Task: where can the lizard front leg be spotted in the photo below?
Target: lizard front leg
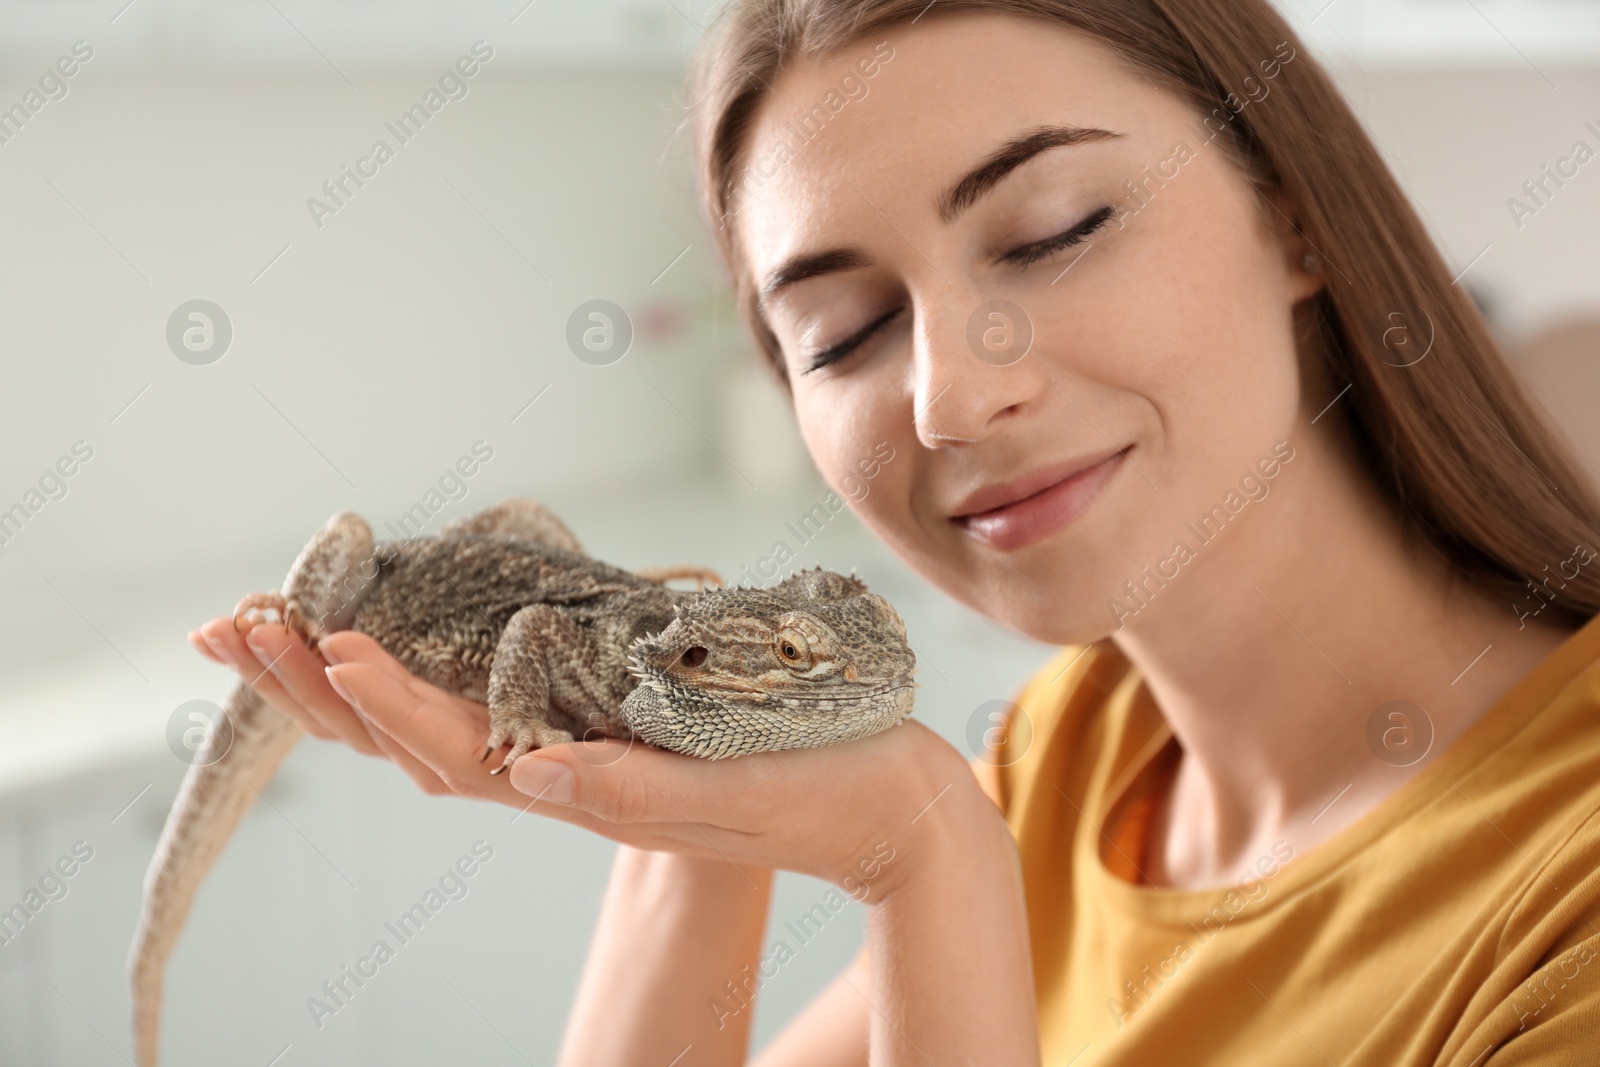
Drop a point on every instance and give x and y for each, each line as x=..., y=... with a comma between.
x=544, y=680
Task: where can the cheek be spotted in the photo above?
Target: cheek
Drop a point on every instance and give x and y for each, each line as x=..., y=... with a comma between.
x=1194, y=324
x=838, y=424
x=849, y=425
x=1239, y=381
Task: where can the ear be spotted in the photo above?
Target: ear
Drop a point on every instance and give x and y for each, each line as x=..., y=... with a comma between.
x=1303, y=265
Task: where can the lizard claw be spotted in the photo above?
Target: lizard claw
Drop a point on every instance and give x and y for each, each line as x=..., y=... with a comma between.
x=296, y=622
x=525, y=734
x=255, y=606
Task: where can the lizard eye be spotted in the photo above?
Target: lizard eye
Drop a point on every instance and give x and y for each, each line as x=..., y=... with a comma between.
x=792, y=648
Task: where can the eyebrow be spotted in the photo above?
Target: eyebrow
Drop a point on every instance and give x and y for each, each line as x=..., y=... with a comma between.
x=810, y=265
x=965, y=192
x=1007, y=158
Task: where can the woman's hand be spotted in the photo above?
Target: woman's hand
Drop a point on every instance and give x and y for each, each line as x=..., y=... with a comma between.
x=852, y=814
x=291, y=677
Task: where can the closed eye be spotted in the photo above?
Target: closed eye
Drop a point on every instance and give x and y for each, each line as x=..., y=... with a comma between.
x=849, y=344
x=1021, y=257
x=1033, y=253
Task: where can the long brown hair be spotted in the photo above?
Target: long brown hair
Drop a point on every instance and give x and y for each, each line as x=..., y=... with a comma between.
x=1452, y=438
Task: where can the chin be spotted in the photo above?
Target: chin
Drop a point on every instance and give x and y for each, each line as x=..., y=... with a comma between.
x=1054, y=625
x=1058, y=605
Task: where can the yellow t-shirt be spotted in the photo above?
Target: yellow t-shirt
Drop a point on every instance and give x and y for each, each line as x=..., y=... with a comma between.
x=1457, y=924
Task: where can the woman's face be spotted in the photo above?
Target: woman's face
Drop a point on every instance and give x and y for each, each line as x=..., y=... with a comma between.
x=896, y=191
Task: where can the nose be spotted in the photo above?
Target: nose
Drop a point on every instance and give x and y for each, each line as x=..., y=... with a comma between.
x=976, y=364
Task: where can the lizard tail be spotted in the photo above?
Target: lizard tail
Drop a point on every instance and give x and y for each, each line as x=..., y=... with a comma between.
x=210, y=804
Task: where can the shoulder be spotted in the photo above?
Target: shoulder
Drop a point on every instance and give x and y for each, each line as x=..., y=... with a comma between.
x=1553, y=948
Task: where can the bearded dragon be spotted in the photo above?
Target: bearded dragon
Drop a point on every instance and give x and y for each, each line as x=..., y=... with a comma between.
x=505, y=608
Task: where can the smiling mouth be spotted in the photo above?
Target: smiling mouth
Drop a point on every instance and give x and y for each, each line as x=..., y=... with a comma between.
x=1028, y=510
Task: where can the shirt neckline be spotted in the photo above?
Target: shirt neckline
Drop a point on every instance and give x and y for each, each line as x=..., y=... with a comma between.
x=1516, y=709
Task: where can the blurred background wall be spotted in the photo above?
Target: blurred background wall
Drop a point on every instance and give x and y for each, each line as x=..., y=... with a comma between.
x=374, y=345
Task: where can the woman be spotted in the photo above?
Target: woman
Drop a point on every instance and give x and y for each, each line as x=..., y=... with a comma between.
x=1174, y=379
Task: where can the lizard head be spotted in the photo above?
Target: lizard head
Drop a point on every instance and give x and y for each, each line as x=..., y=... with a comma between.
x=813, y=660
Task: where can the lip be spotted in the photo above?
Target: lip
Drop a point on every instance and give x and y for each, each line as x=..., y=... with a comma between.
x=1028, y=509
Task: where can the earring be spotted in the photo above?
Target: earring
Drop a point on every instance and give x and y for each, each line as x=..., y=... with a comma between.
x=1311, y=263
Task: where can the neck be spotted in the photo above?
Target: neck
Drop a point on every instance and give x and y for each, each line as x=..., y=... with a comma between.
x=1283, y=639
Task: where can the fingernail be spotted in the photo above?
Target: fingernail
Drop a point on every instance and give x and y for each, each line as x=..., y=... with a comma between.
x=333, y=680
x=327, y=653
x=255, y=646
x=543, y=779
